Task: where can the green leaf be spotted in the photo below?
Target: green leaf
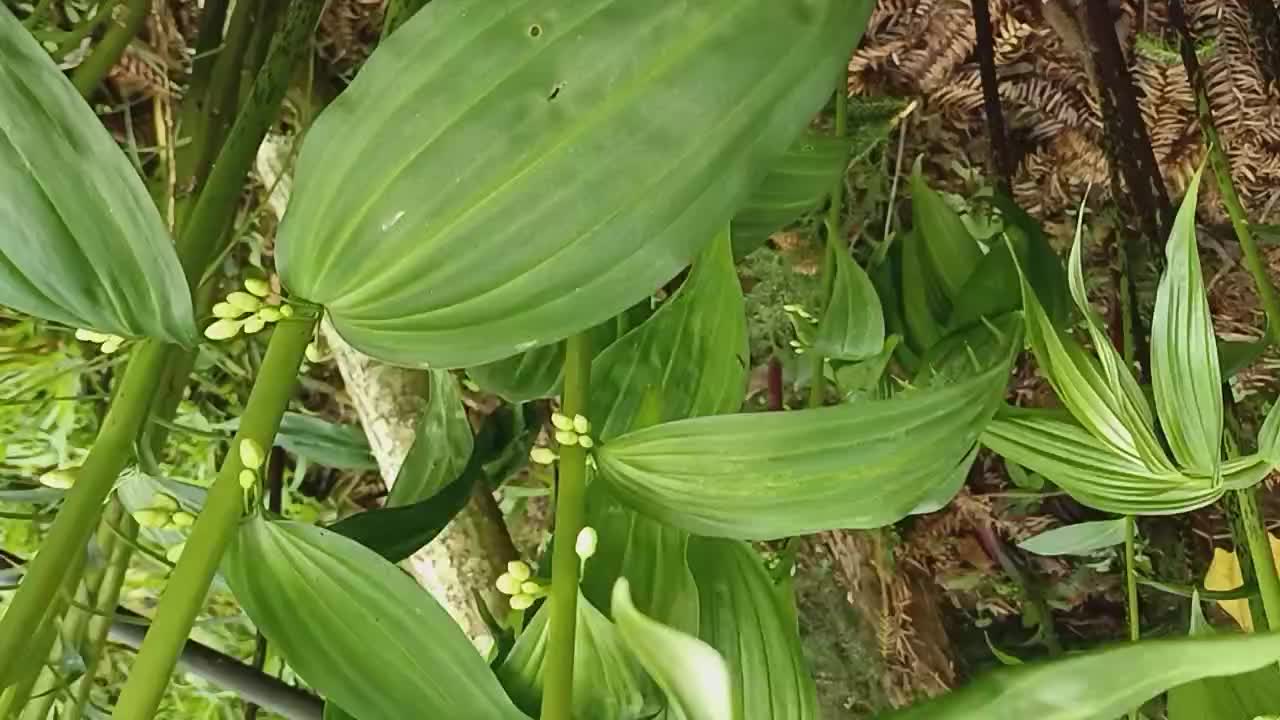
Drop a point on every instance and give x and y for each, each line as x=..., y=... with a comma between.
x=797, y=183
x=949, y=251
x=693, y=350
x=1099, y=684
x=693, y=676
x=852, y=327
x=925, y=306
x=320, y=441
x=520, y=242
x=608, y=682
x=356, y=628
x=1079, y=539
x=81, y=242
x=1269, y=436
x=746, y=619
x=1232, y=697
x=333, y=712
x=1184, y=355
x=536, y=373
x=1055, y=446
x=770, y=475
x=651, y=555
x=442, y=443
x=1036, y=257
x=1236, y=355
x=860, y=377
x=397, y=532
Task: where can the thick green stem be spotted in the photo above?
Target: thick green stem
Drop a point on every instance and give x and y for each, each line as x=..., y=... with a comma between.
x=79, y=514
x=571, y=510
x=123, y=30
x=43, y=636
x=105, y=605
x=1260, y=550
x=185, y=593
x=198, y=243
x=835, y=241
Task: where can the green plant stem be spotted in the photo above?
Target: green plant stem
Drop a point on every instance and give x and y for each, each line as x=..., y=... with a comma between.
x=835, y=241
x=76, y=520
x=1260, y=550
x=109, y=50
x=37, y=13
x=1131, y=586
x=571, y=495
x=70, y=40
x=185, y=593
x=104, y=605
x=43, y=636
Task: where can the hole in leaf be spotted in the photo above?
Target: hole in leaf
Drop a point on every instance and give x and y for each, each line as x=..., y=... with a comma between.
x=555, y=92
x=535, y=30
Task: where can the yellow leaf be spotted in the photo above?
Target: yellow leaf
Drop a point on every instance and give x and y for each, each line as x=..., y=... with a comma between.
x=1224, y=574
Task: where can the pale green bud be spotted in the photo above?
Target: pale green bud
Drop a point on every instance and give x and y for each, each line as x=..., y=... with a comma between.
x=251, y=454
x=164, y=501
x=286, y=311
x=313, y=353
x=257, y=286
x=521, y=602
x=566, y=437
x=151, y=518
x=508, y=585
x=244, y=301
x=253, y=324
x=519, y=570
x=111, y=344
x=227, y=311
x=270, y=314
x=90, y=336
x=581, y=424
x=530, y=588
x=586, y=441
x=175, y=553
x=60, y=479
x=587, y=541
x=223, y=329
x=542, y=456
x=561, y=422
x=248, y=479
x=183, y=519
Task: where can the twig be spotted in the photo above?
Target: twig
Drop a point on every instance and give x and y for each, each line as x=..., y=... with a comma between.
x=1000, y=149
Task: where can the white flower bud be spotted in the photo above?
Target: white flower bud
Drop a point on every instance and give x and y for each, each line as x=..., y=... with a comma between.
x=567, y=437
x=257, y=286
x=519, y=570
x=521, y=602
x=248, y=479
x=286, y=311
x=111, y=344
x=254, y=324
x=251, y=454
x=581, y=424
x=227, y=311
x=530, y=587
x=89, y=336
x=508, y=585
x=542, y=456
x=223, y=329
x=313, y=353
x=587, y=541
x=175, y=553
x=270, y=314
x=244, y=301
x=586, y=441
x=561, y=422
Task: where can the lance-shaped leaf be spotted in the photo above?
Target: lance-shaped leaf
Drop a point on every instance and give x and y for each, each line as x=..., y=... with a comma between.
x=81, y=241
x=1055, y=446
x=797, y=183
x=852, y=326
x=1247, y=696
x=769, y=475
x=693, y=676
x=356, y=628
x=693, y=352
x=442, y=443
x=950, y=252
x=1078, y=539
x=1184, y=352
x=449, y=233
x=746, y=618
x=608, y=683
x=1098, y=684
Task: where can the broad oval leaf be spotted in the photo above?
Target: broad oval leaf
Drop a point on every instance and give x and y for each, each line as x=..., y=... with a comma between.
x=691, y=673
x=608, y=683
x=852, y=326
x=1078, y=539
x=81, y=241
x=770, y=475
x=745, y=617
x=356, y=628
x=612, y=178
x=1185, y=376
x=1099, y=684
x=442, y=443
x=692, y=351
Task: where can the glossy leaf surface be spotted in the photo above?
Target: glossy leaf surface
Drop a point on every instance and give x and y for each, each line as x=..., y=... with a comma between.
x=521, y=241
x=1078, y=539
x=690, y=673
x=1186, y=379
x=745, y=617
x=769, y=475
x=442, y=443
x=852, y=326
x=81, y=242
x=1099, y=684
x=608, y=683
x=357, y=628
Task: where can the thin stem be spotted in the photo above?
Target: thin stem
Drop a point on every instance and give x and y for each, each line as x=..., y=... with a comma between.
x=557, y=691
x=184, y=595
x=43, y=635
x=1222, y=171
x=77, y=518
x=1131, y=579
x=38, y=12
x=1260, y=550
x=70, y=39
x=111, y=48
x=835, y=240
